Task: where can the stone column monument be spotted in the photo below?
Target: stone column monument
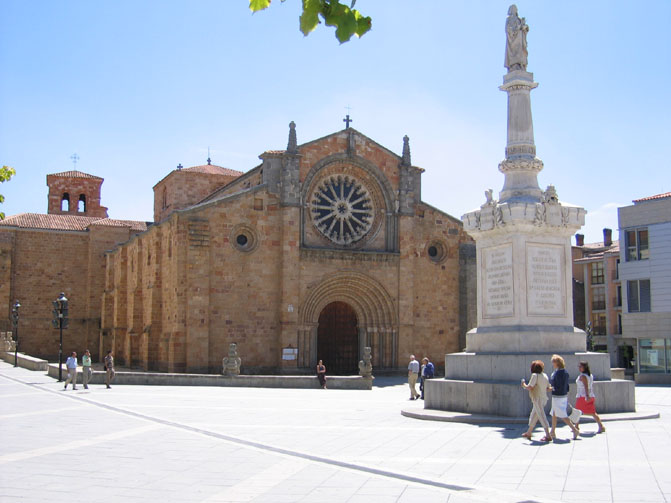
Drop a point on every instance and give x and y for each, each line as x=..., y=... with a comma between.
x=524, y=280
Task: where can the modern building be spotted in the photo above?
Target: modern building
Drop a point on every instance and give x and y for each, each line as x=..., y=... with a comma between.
x=598, y=297
x=645, y=273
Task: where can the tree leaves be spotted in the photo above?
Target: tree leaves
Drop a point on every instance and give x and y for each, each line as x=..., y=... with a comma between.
x=5, y=174
x=256, y=5
x=347, y=20
x=310, y=17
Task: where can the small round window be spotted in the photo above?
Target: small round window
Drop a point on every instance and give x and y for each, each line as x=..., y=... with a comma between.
x=244, y=238
x=436, y=251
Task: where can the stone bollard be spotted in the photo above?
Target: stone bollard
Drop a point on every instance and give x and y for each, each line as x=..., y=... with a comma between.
x=365, y=365
x=231, y=363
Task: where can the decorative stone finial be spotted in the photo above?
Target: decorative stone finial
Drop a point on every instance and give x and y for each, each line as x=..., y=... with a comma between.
x=292, y=146
x=405, y=157
x=365, y=365
x=231, y=363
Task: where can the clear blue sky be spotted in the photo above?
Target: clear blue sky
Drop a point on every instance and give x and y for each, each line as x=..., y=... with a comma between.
x=136, y=87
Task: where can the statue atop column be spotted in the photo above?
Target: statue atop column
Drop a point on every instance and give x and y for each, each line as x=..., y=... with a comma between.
x=516, y=41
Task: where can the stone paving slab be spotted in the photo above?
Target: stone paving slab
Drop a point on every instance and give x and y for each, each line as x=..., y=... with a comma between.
x=143, y=443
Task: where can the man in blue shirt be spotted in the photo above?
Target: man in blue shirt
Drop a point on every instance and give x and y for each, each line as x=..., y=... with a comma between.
x=71, y=364
x=427, y=373
x=413, y=372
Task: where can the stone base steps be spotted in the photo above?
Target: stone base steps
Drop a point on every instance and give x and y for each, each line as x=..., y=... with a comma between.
x=242, y=381
x=461, y=417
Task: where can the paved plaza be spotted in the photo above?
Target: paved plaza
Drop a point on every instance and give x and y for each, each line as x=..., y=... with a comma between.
x=161, y=443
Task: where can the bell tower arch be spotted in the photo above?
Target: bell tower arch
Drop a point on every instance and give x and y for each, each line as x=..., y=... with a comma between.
x=75, y=193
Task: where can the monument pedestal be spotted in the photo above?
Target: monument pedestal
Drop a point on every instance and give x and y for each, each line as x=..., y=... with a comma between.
x=524, y=268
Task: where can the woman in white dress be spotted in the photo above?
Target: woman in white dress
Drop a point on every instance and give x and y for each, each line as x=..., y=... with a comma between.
x=585, y=398
x=538, y=388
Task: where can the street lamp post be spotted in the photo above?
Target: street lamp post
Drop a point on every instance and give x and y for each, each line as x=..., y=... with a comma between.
x=60, y=321
x=15, y=323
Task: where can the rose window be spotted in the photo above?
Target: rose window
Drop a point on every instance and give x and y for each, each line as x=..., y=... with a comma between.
x=342, y=209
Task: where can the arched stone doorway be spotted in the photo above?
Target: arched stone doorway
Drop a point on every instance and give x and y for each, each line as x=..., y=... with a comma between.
x=373, y=309
x=338, y=338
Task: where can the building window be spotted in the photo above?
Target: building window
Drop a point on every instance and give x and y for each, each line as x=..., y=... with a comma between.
x=65, y=202
x=164, y=198
x=598, y=299
x=619, y=323
x=81, y=204
x=618, y=298
x=636, y=243
x=638, y=296
x=597, y=273
x=653, y=355
x=617, y=269
x=598, y=324
x=244, y=238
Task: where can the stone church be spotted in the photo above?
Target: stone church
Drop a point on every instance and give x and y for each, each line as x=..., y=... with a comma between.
x=321, y=250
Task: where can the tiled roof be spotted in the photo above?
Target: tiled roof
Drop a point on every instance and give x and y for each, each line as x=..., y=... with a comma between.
x=275, y=152
x=75, y=174
x=213, y=170
x=651, y=198
x=66, y=222
x=113, y=222
x=599, y=251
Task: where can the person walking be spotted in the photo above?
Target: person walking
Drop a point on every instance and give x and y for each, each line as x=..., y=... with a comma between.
x=86, y=369
x=321, y=374
x=71, y=365
x=427, y=372
x=559, y=382
x=538, y=388
x=109, y=368
x=585, y=398
x=413, y=373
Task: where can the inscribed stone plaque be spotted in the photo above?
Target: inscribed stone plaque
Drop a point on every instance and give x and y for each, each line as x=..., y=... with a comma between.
x=545, y=280
x=497, y=279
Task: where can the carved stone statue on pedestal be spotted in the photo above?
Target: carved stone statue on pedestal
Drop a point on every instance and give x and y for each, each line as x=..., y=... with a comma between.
x=365, y=365
x=231, y=363
x=516, y=41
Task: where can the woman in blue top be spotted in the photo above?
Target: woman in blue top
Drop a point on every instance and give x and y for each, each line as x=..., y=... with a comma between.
x=559, y=383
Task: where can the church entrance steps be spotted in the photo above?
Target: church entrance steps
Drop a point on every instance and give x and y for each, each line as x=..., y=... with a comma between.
x=241, y=381
x=25, y=361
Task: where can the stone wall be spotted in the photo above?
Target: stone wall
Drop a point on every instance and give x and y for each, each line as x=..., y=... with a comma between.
x=37, y=265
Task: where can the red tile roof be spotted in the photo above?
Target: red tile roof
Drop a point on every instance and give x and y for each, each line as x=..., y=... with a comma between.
x=75, y=174
x=650, y=198
x=213, y=170
x=275, y=152
x=66, y=222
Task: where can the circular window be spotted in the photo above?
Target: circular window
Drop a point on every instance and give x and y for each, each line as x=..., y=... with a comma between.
x=244, y=238
x=342, y=209
x=437, y=251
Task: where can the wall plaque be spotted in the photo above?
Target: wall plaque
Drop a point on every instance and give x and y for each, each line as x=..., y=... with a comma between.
x=545, y=280
x=497, y=281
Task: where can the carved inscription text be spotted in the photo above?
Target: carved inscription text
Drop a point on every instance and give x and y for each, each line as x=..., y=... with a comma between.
x=497, y=277
x=545, y=280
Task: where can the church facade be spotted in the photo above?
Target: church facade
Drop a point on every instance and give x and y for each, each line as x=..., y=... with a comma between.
x=321, y=250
